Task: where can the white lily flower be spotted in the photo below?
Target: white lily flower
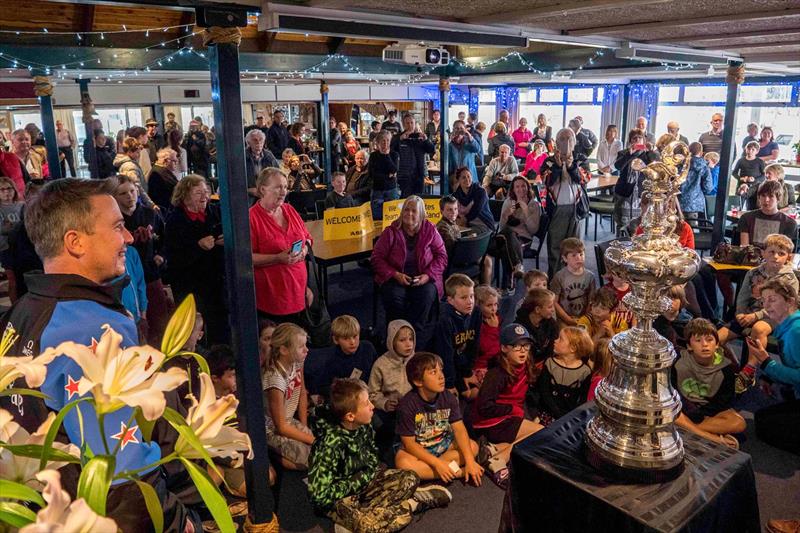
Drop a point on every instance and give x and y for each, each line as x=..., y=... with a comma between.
x=24, y=469
x=12, y=368
x=118, y=377
x=63, y=515
x=207, y=420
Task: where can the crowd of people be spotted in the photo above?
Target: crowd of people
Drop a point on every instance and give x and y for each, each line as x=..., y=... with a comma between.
x=470, y=369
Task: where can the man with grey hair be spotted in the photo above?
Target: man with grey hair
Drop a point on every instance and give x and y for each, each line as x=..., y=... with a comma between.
x=673, y=128
x=585, y=143
x=641, y=124
x=257, y=157
x=163, y=178
x=79, y=233
x=712, y=139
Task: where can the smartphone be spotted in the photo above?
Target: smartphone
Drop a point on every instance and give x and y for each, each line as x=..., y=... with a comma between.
x=640, y=147
x=297, y=247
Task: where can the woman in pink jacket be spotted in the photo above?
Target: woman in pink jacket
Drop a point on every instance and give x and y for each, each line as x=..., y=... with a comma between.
x=522, y=140
x=409, y=260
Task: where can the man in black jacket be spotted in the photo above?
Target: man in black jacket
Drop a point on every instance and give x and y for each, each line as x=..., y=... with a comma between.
x=585, y=141
x=412, y=145
x=79, y=232
x=278, y=135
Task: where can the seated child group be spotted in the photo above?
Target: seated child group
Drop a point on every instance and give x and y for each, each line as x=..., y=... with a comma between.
x=382, y=436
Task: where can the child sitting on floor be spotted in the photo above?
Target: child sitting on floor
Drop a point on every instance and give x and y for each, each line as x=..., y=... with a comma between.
x=705, y=377
x=537, y=316
x=266, y=328
x=352, y=357
x=489, y=344
x=499, y=411
x=597, y=322
x=564, y=382
x=434, y=440
x=600, y=363
x=345, y=480
x=573, y=285
x=387, y=381
x=750, y=312
x=663, y=323
x=533, y=279
x=285, y=397
x=222, y=365
x=457, y=335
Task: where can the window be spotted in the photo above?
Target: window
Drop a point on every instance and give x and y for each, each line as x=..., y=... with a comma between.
x=21, y=119
x=455, y=109
x=704, y=93
x=765, y=93
x=486, y=114
x=486, y=96
x=784, y=121
x=551, y=95
x=527, y=95
x=206, y=114
x=693, y=120
x=601, y=93
x=580, y=95
x=553, y=113
x=669, y=93
x=590, y=115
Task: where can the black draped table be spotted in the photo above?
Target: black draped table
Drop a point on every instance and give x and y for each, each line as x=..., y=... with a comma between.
x=553, y=488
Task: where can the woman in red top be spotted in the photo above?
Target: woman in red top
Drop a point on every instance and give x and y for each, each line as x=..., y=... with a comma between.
x=522, y=140
x=499, y=412
x=280, y=274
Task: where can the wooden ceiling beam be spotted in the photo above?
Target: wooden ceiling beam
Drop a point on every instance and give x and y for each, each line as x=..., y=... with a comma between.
x=335, y=44
x=778, y=57
x=565, y=8
x=724, y=36
x=87, y=24
x=759, y=46
x=682, y=23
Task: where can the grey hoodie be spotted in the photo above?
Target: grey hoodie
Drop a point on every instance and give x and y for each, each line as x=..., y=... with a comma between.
x=699, y=383
x=388, y=377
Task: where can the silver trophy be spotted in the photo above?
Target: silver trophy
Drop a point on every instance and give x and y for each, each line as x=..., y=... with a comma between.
x=633, y=434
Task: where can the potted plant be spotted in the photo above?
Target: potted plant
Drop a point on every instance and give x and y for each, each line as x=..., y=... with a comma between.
x=796, y=147
x=113, y=378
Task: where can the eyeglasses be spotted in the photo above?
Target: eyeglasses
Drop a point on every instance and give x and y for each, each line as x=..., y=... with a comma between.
x=521, y=347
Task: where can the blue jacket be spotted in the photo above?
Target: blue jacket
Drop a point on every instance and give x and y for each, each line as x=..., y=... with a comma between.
x=714, y=180
x=342, y=366
x=464, y=156
x=788, y=334
x=698, y=183
x=480, y=204
x=134, y=295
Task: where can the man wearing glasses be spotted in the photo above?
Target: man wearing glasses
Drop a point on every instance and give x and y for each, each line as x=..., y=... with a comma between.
x=712, y=139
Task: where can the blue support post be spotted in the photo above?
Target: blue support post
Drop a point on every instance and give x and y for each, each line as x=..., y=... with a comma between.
x=91, y=154
x=49, y=130
x=325, y=132
x=727, y=152
x=243, y=320
x=444, y=151
x=158, y=114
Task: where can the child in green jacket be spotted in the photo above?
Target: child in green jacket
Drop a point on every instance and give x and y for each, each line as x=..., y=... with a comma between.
x=345, y=480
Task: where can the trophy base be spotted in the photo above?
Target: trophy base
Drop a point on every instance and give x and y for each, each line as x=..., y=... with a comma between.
x=628, y=474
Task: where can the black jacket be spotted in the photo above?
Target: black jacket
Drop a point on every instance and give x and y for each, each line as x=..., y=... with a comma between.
x=629, y=178
x=138, y=223
x=412, y=152
x=160, y=184
x=253, y=166
x=358, y=184
x=277, y=139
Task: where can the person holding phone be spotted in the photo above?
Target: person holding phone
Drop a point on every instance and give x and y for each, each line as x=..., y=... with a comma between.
x=412, y=145
x=628, y=189
x=280, y=243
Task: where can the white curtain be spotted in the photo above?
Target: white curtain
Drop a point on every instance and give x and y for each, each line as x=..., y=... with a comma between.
x=611, y=110
x=642, y=102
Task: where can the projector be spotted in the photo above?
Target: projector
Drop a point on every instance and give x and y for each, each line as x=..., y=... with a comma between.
x=416, y=54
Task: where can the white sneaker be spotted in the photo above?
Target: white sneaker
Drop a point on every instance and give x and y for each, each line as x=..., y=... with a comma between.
x=431, y=497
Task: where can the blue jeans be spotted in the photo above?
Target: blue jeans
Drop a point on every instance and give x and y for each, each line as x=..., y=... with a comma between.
x=379, y=197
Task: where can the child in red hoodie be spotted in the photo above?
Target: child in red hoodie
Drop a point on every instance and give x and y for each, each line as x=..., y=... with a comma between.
x=489, y=341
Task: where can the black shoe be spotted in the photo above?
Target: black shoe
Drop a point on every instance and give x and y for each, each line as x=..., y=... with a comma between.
x=431, y=497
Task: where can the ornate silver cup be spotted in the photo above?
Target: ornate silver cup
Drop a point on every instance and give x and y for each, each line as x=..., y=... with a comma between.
x=633, y=434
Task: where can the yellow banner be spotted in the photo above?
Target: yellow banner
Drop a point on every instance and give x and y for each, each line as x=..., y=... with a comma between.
x=391, y=211
x=347, y=223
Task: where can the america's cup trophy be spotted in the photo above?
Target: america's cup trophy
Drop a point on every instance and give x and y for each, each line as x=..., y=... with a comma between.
x=633, y=434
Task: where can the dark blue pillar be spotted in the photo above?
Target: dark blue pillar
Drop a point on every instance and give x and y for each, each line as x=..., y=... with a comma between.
x=158, y=114
x=49, y=130
x=624, y=127
x=444, y=151
x=243, y=321
x=735, y=78
x=325, y=132
x=91, y=153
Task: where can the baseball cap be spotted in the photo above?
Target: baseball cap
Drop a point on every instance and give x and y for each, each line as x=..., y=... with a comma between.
x=151, y=122
x=514, y=334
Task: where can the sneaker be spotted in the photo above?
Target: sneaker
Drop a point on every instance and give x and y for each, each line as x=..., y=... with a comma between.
x=431, y=497
x=486, y=450
x=783, y=526
x=500, y=477
x=743, y=382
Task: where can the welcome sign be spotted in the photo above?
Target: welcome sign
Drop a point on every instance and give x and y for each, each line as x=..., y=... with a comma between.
x=391, y=211
x=347, y=223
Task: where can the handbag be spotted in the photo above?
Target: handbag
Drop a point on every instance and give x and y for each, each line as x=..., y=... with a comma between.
x=581, y=203
x=729, y=254
x=316, y=317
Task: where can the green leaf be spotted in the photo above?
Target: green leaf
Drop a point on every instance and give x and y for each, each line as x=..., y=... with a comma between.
x=17, y=491
x=55, y=426
x=152, y=502
x=25, y=392
x=201, y=361
x=95, y=481
x=35, y=451
x=16, y=515
x=211, y=495
x=179, y=327
x=145, y=426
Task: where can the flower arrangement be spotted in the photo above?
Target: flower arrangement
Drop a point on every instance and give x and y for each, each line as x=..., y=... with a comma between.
x=113, y=378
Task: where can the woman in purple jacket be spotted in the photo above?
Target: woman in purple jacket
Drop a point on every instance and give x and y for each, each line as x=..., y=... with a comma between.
x=409, y=260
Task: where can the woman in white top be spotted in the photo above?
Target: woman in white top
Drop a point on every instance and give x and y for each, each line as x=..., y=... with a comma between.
x=608, y=150
x=499, y=172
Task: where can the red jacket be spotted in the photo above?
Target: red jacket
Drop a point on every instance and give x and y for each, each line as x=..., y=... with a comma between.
x=10, y=165
x=389, y=254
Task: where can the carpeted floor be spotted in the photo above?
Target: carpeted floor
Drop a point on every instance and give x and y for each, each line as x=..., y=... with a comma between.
x=478, y=509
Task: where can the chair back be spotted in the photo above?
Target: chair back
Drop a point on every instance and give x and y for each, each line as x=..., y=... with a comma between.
x=496, y=206
x=467, y=254
x=600, y=255
x=320, y=209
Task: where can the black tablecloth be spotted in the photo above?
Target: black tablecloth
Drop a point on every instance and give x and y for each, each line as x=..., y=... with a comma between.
x=553, y=488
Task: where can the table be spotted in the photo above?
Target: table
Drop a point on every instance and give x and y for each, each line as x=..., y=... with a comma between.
x=338, y=252
x=601, y=183
x=553, y=488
